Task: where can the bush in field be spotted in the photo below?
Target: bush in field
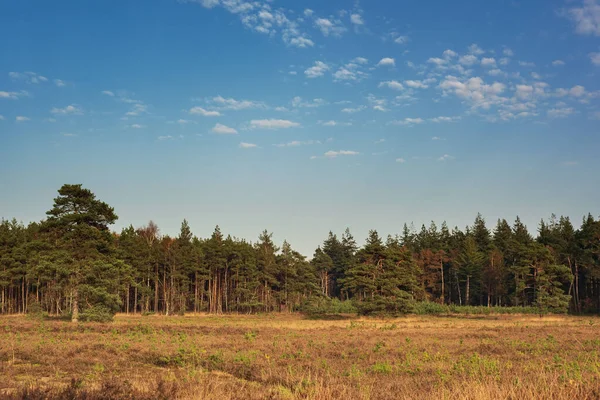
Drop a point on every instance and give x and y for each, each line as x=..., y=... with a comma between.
x=325, y=305
x=401, y=304
x=97, y=314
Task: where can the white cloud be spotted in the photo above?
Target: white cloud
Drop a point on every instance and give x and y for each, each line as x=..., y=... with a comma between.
x=68, y=110
x=504, y=61
x=224, y=130
x=558, y=63
x=400, y=160
x=392, y=85
x=496, y=72
x=474, y=49
x=317, y=70
x=352, y=71
x=329, y=27
x=508, y=52
x=308, y=12
x=378, y=104
x=108, y=93
x=527, y=64
x=273, y=124
x=577, y=91
x=137, y=126
x=233, y=104
x=301, y=42
x=60, y=83
x=13, y=95
x=450, y=54
x=21, y=118
x=488, y=62
x=535, y=75
x=137, y=109
x=401, y=40
x=416, y=84
x=333, y=154
x=356, y=19
x=595, y=58
x=436, y=138
x=474, y=90
x=586, y=17
x=390, y=62
x=203, y=112
x=2, y=118
x=468, y=60
x=245, y=145
x=408, y=121
x=446, y=157
x=361, y=60
x=445, y=119
x=353, y=110
x=184, y=121
x=296, y=143
x=314, y=103
x=561, y=112
x=260, y=17
x=69, y=134
x=166, y=137
x=379, y=141
x=29, y=77
x=437, y=61
x=334, y=123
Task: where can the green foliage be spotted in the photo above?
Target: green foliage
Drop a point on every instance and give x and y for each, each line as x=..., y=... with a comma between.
x=378, y=305
x=319, y=305
x=97, y=313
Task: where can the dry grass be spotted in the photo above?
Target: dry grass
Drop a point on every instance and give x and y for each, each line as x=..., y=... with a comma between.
x=289, y=357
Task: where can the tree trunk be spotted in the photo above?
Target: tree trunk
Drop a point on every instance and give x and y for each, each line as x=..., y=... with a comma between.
x=468, y=289
x=75, y=305
x=442, y=271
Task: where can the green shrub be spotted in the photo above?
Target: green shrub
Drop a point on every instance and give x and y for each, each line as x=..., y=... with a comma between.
x=96, y=314
x=387, y=306
x=325, y=305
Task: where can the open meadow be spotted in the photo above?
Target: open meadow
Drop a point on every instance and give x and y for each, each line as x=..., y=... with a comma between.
x=287, y=356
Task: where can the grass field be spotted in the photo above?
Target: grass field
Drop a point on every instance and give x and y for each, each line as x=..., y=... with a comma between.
x=291, y=357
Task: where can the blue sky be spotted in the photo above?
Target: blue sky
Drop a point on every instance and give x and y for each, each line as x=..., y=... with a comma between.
x=302, y=117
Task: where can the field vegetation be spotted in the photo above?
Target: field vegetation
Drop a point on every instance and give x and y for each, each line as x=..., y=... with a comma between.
x=291, y=356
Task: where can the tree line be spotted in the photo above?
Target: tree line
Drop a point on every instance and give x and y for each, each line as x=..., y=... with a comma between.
x=72, y=264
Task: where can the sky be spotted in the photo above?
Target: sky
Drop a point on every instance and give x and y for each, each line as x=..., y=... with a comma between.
x=302, y=117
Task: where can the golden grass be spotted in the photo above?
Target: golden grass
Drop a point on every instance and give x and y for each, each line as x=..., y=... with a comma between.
x=283, y=356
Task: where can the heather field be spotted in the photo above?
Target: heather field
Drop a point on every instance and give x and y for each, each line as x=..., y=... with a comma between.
x=289, y=356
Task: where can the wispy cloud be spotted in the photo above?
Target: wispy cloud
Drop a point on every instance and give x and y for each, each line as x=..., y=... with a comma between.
x=245, y=145
x=386, y=62
x=72, y=109
x=446, y=157
x=203, y=112
x=273, y=124
x=236, y=105
x=108, y=93
x=408, y=121
x=400, y=160
x=261, y=18
x=29, y=77
x=60, y=83
x=317, y=70
x=297, y=102
x=392, y=85
x=13, y=95
x=297, y=143
x=586, y=17
x=137, y=126
x=330, y=26
x=333, y=154
x=224, y=130
x=21, y=118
